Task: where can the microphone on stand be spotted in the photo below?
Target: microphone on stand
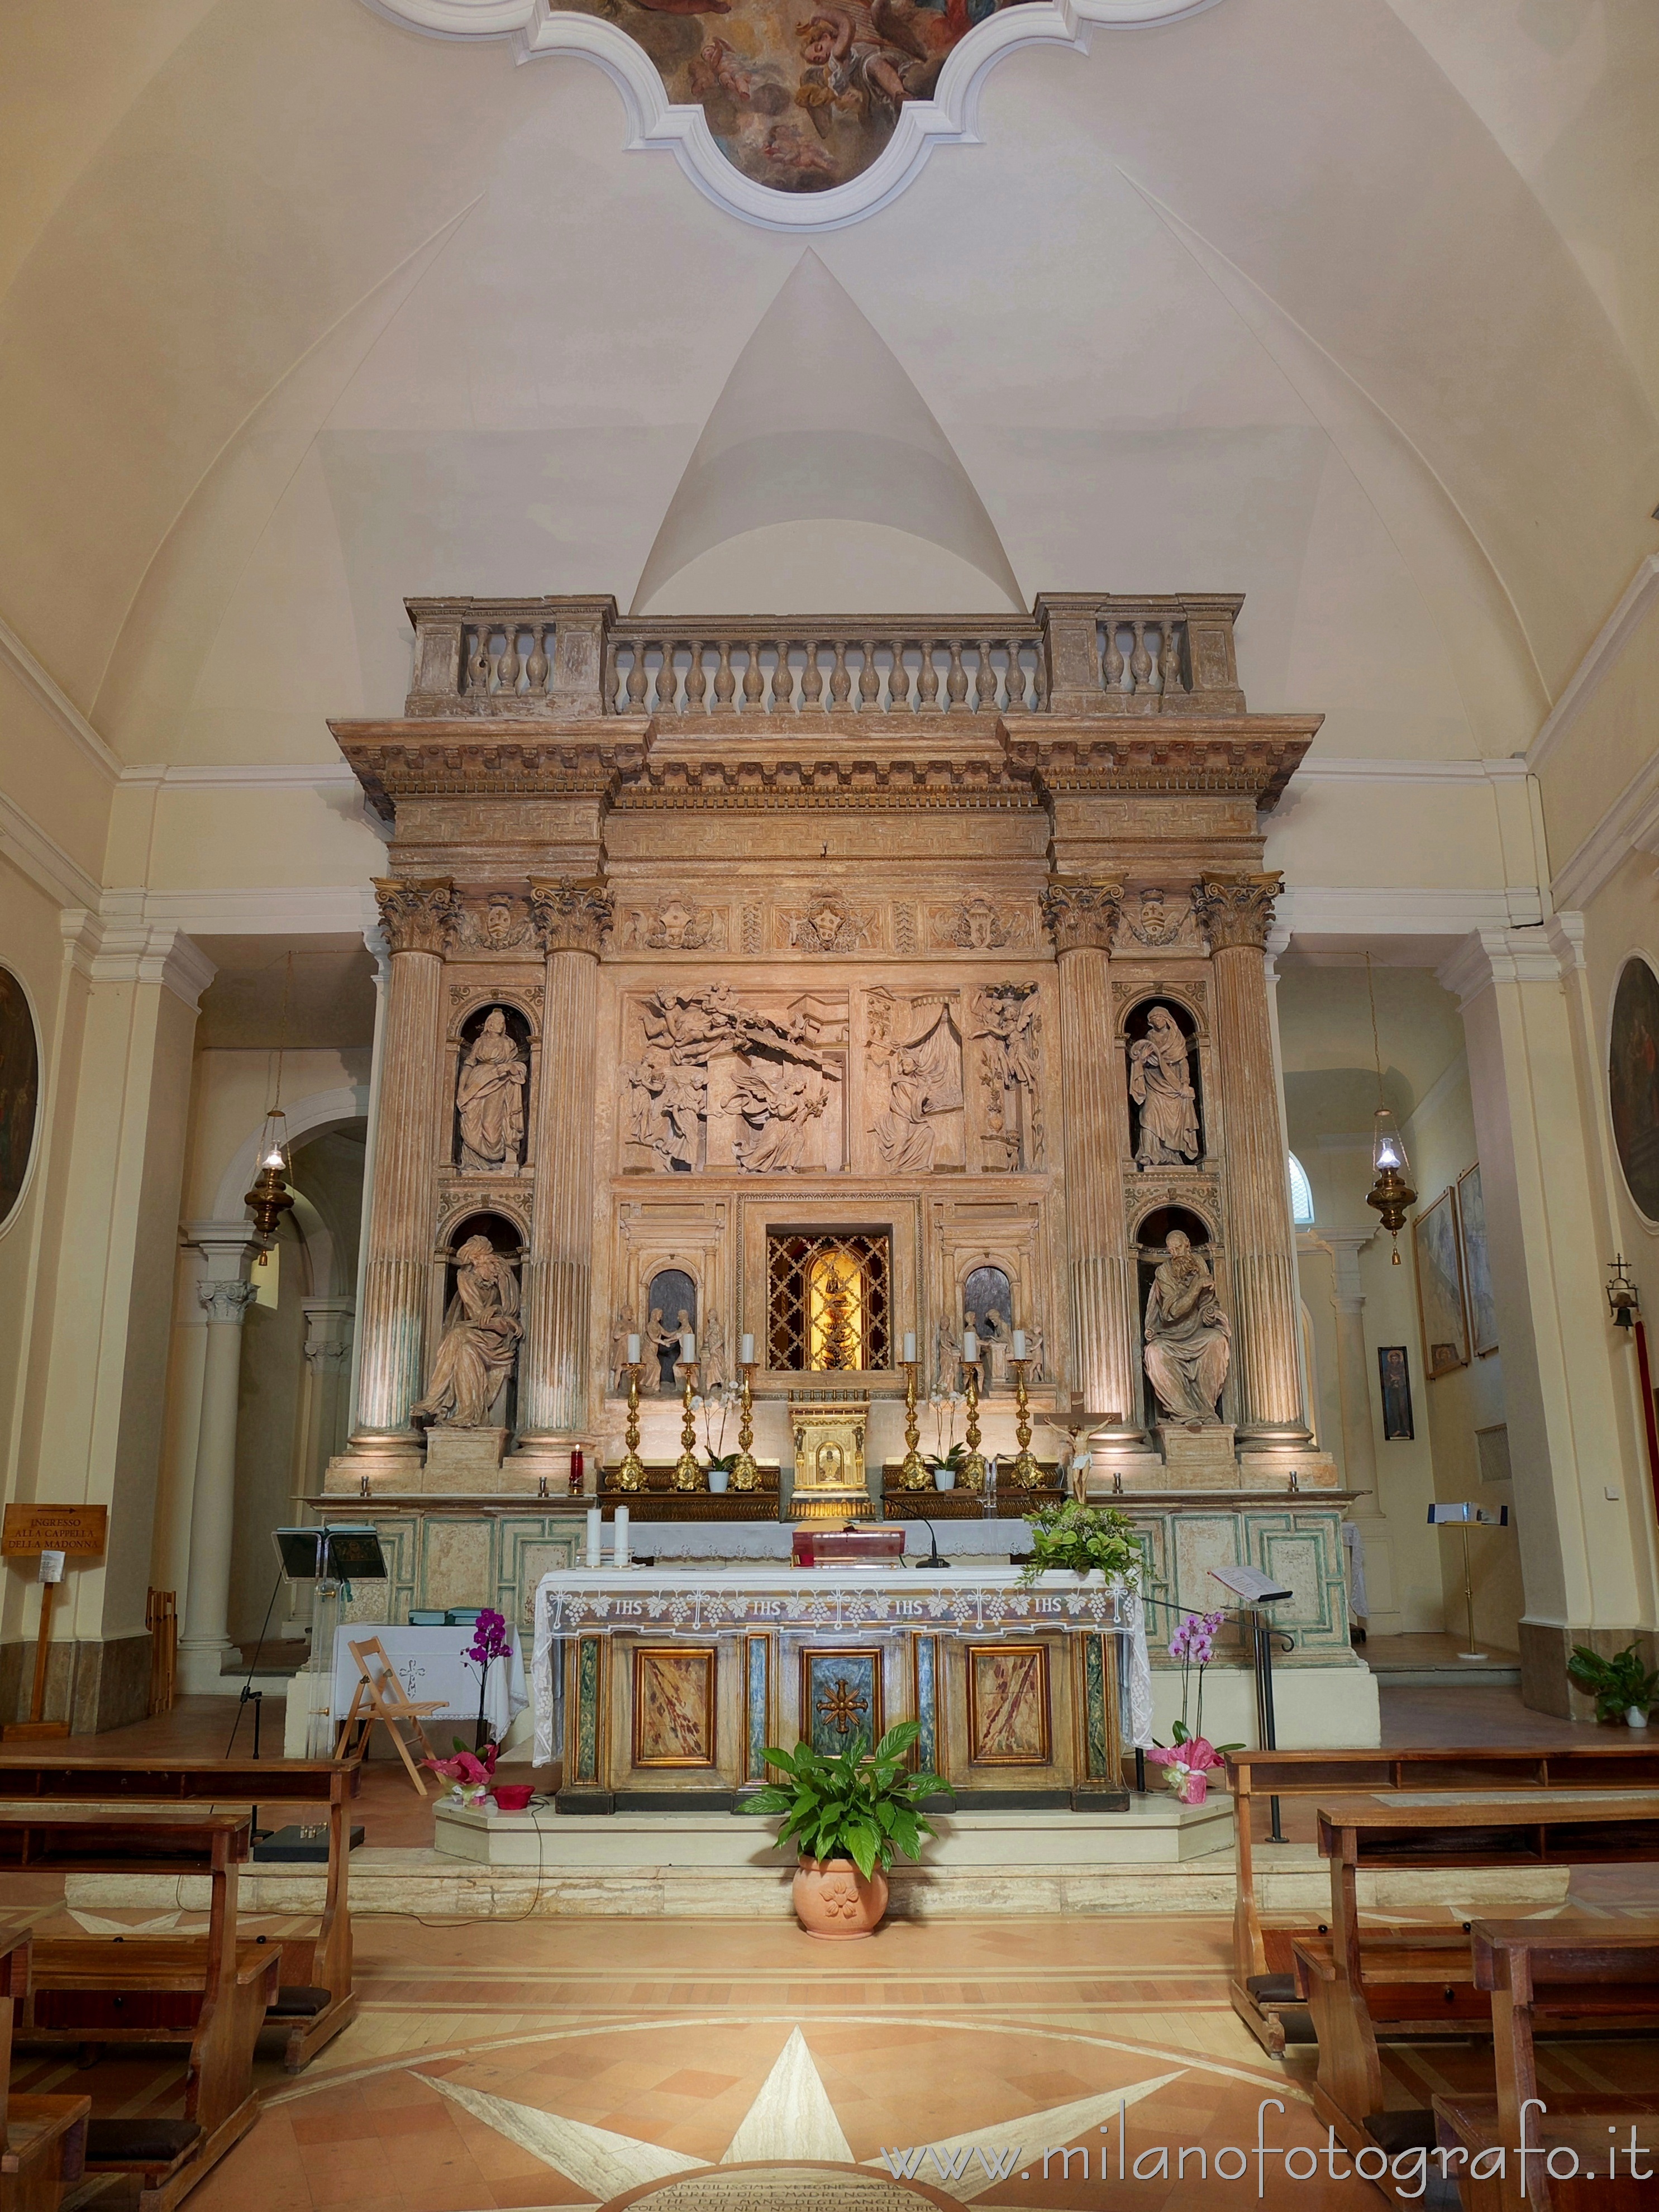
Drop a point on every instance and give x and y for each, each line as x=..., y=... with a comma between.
x=933, y=1558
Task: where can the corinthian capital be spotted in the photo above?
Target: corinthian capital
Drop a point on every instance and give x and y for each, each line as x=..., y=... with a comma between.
x=570, y=913
x=417, y=914
x=1082, y=913
x=1235, y=909
x=226, y=1301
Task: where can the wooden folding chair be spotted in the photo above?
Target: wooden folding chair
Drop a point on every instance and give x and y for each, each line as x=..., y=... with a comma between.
x=382, y=1697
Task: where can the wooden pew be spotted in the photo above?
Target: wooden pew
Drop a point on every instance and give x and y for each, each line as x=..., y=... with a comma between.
x=1262, y=1990
x=43, y=2139
x=211, y=1992
x=1534, y=1972
x=1577, y=2123
x=316, y=1999
x=1338, y=1977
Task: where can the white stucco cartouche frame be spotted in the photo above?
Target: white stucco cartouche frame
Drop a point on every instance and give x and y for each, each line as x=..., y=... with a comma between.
x=655, y=123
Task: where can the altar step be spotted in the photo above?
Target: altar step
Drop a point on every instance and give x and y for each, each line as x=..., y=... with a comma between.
x=681, y=1866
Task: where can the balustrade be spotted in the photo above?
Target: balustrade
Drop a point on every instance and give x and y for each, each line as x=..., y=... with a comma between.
x=1080, y=654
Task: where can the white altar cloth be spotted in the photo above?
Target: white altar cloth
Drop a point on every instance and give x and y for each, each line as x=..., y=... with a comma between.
x=830, y=1600
x=428, y=1662
x=770, y=1540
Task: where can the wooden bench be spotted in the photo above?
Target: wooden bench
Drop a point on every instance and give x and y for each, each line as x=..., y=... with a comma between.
x=43, y=2139
x=1468, y=2126
x=210, y=1992
x=1262, y=1988
x=1529, y=1969
x=1340, y=1978
x=316, y=1999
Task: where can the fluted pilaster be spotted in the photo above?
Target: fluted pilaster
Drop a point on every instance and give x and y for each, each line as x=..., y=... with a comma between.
x=571, y=919
x=1235, y=913
x=419, y=920
x=1081, y=919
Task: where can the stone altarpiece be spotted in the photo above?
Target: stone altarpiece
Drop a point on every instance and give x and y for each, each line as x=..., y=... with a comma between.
x=956, y=934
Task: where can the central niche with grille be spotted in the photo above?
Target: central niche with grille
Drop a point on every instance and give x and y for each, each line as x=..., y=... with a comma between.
x=828, y=1299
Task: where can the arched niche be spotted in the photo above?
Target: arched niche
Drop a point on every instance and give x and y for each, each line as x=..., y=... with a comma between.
x=489, y=1087
x=506, y=1236
x=669, y=1292
x=1149, y=1133
x=1151, y=1234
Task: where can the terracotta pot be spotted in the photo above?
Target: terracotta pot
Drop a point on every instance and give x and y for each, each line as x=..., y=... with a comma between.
x=835, y=1904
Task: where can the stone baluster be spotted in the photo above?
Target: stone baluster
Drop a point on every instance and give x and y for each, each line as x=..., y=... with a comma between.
x=840, y=681
x=1235, y=913
x=1082, y=919
x=869, y=677
x=666, y=683
x=724, y=682
x=418, y=917
x=1140, y=659
x=811, y=676
x=754, y=677
x=1170, y=681
x=536, y=668
x=508, y=667
x=985, y=679
x=638, y=677
x=478, y=666
x=929, y=678
x=696, y=679
x=571, y=917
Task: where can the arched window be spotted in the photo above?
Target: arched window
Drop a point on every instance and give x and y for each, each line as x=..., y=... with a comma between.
x=1302, y=1211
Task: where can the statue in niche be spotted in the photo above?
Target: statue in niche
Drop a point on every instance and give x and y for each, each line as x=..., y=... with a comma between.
x=490, y=1098
x=661, y=1348
x=480, y=1340
x=780, y=1104
x=1009, y=1032
x=947, y=1359
x=711, y=1354
x=923, y=1079
x=1160, y=1083
x=1188, y=1338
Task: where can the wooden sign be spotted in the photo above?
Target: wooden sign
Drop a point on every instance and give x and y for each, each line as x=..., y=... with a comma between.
x=73, y=1528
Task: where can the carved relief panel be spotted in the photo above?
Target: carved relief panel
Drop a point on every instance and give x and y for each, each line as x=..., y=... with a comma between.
x=1006, y=1026
x=913, y=1080
x=719, y=1079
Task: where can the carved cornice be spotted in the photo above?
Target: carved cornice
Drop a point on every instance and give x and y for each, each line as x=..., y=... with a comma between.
x=1229, y=757
x=417, y=914
x=571, y=913
x=1236, y=910
x=395, y=761
x=846, y=765
x=1082, y=915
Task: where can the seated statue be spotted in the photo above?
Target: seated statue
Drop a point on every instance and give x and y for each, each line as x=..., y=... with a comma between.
x=1188, y=1339
x=480, y=1339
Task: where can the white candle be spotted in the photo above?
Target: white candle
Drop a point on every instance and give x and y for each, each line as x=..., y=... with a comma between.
x=909, y=1348
x=633, y=1352
x=619, y=1533
x=1019, y=1344
x=969, y=1345
x=595, y=1537
x=746, y=1352
x=688, y=1346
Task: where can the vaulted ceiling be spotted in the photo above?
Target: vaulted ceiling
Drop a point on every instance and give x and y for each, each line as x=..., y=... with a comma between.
x=1354, y=308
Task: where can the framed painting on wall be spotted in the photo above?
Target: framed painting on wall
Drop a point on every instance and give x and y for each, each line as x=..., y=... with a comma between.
x=1477, y=1262
x=1394, y=1371
x=1440, y=1300
x=20, y=1093
x=1633, y=1082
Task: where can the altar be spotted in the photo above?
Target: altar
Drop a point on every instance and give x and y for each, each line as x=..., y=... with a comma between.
x=661, y=1687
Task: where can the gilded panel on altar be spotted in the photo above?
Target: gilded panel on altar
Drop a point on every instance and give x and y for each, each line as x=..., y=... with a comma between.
x=673, y=1717
x=1008, y=1710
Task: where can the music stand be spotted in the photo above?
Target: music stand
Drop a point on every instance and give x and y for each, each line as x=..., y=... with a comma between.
x=1254, y=1589
x=1466, y=1517
x=331, y=1557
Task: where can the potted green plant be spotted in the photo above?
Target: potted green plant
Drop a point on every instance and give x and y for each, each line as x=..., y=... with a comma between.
x=1083, y=1539
x=1622, y=1686
x=850, y=1815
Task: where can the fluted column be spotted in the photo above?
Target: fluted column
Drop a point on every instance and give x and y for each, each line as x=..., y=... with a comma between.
x=418, y=919
x=226, y=1295
x=1081, y=919
x=1235, y=913
x=571, y=917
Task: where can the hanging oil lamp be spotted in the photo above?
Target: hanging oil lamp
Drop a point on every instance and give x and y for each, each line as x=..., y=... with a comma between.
x=270, y=1197
x=1391, y=1191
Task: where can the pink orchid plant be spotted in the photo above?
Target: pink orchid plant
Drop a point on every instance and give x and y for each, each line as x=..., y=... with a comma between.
x=470, y=1772
x=1188, y=1767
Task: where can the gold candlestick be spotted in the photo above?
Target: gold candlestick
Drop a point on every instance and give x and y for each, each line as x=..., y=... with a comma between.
x=746, y=1475
x=1027, y=1475
x=630, y=1476
x=973, y=1467
x=913, y=1475
x=687, y=1475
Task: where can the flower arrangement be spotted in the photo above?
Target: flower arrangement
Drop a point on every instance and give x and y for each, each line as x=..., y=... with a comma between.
x=1082, y=1538
x=1191, y=1758
x=1188, y=1767
x=489, y=1644
x=470, y=1772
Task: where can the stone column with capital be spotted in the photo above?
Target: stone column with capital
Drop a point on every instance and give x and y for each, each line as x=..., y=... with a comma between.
x=1353, y=1366
x=571, y=915
x=1081, y=919
x=1235, y=913
x=418, y=917
x=226, y=1295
